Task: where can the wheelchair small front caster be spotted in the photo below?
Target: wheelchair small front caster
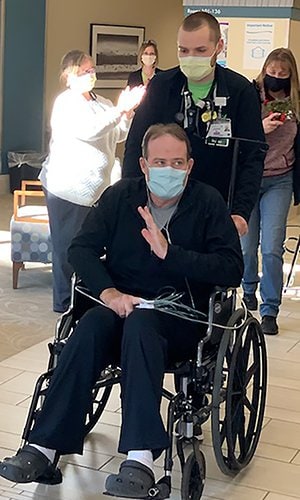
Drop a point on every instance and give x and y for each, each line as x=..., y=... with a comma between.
x=193, y=477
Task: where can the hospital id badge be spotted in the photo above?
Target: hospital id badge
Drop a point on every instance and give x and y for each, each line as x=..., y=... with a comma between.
x=220, y=128
x=218, y=132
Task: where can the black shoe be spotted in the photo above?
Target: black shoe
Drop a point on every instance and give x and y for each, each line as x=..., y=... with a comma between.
x=250, y=301
x=30, y=465
x=134, y=480
x=269, y=325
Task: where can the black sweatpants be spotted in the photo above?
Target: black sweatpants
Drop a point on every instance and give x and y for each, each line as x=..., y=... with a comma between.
x=146, y=342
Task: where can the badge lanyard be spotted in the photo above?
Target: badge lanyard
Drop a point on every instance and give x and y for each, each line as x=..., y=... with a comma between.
x=218, y=127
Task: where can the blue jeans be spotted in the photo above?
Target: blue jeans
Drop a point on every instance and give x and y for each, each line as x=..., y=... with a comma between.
x=267, y=226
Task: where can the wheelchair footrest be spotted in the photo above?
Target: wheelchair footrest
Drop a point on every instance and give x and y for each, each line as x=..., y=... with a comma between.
x=160, y=490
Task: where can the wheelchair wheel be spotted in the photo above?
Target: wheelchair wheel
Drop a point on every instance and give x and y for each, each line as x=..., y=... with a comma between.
x=100, y=396
x=239, y=394
x=193, y=477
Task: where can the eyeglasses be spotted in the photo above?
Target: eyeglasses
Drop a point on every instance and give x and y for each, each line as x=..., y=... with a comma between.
x=149, y=42
x=90, y=71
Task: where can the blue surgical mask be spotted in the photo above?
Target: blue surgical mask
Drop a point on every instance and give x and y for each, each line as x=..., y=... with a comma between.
x=166, y=182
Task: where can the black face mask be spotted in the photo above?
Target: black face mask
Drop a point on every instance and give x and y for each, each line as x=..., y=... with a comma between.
x=276, y=84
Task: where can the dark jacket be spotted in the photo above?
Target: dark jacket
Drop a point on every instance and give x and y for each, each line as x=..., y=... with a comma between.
x=204, y=249
x=135, y=78
x=213, y=164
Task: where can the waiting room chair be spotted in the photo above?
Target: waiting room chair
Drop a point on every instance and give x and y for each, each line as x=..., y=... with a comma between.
x=29, y=228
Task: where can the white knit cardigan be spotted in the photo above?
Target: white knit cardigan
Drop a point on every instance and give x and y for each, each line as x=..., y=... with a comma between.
x=82, y=149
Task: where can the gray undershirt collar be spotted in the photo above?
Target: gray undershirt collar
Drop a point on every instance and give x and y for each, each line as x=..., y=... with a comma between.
x=161, y=215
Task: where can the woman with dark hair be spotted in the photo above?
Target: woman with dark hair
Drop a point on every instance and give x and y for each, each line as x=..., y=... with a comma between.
x=85, y=131
x=278, y=84
x=148, y=58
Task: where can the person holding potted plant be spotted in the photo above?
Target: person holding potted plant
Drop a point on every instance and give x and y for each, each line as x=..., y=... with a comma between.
x=278, y=84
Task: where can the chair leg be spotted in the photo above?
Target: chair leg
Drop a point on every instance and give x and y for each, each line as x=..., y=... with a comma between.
x=16, y=268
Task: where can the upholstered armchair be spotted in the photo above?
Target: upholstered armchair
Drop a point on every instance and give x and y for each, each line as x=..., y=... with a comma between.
x=29, y=227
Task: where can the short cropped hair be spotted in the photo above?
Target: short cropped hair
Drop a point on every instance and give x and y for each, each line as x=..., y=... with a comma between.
x=199, y=19
x=159, y=130
x=71, y=62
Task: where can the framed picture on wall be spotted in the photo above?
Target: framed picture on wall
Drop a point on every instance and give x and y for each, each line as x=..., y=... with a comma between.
x=115, y=52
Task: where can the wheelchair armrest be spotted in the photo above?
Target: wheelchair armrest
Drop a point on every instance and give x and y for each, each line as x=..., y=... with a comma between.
x=222, y=302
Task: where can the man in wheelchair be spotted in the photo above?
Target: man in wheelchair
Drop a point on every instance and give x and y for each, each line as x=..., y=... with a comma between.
x=159, y=231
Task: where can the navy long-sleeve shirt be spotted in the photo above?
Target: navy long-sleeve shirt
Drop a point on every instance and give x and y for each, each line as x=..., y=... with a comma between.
x=204, y=249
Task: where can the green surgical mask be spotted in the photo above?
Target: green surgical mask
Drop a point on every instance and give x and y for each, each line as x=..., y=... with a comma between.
x=196, y=67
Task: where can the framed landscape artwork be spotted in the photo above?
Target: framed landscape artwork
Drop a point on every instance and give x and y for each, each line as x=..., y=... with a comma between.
x=115, y=52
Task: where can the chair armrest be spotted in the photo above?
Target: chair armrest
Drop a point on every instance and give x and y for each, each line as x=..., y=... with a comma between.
x=26, y=183
x=24, y=187
x=21, y=194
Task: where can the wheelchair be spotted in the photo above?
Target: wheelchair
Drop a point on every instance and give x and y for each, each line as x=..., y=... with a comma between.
x=228, y=376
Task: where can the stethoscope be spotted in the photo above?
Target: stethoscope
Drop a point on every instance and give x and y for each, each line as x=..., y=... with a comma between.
x=190, y=114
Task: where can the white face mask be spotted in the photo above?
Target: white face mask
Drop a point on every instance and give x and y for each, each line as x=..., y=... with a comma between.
x=196, y=67
x=148, y=60
x=83, y=83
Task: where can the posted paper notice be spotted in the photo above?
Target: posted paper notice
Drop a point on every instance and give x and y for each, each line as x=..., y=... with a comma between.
x=257, y=44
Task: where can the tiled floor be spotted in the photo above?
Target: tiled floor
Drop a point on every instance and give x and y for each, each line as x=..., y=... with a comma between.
x=274, y=473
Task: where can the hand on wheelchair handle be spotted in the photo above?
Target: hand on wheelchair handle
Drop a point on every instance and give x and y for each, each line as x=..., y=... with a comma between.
x=240, y=224
x=121, y=303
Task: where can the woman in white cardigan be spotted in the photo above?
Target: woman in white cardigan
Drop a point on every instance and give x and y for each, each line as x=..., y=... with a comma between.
x=85, y=131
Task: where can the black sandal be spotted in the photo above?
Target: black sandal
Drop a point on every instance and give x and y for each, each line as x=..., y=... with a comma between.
x=30, y=465
x=133, y=481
